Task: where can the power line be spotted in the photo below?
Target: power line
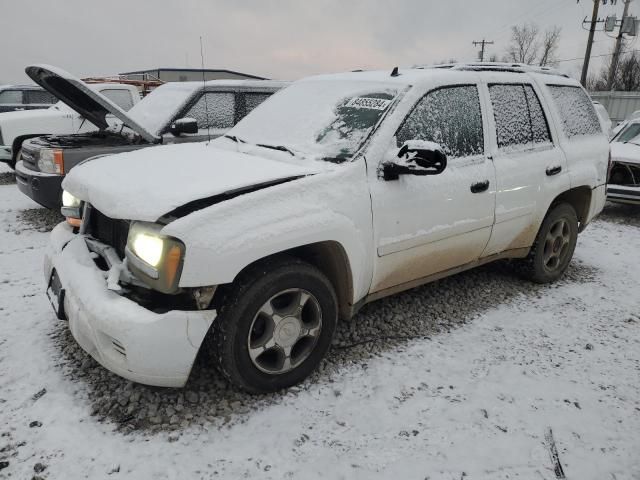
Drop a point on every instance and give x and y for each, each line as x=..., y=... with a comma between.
x=594, y=56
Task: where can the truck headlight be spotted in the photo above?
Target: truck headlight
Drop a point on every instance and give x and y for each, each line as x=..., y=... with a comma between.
x=51, y=161
x=71, y=209
x=154, y=258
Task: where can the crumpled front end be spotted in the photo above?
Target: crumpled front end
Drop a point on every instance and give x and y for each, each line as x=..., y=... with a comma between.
x=87, y=285
x=624, y=182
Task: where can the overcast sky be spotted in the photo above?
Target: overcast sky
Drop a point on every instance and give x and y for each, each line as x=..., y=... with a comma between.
x=283, y=39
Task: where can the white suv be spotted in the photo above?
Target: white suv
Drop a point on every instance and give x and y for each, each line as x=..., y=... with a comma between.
x=336, y=191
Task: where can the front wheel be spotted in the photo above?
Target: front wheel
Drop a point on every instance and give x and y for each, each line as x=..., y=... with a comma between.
x=553, y=248
x=275, y=326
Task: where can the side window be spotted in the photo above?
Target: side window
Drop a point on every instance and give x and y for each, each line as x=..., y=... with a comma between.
x=578, y=115
x=520, y=119
x=217, y=112
x=450, y=116
x=539, y=125
x=39, y=97
x=121, y=98
x=252, y=100
x=11, y=96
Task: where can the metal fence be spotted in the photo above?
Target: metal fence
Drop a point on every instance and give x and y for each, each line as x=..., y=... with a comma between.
x=619, y=104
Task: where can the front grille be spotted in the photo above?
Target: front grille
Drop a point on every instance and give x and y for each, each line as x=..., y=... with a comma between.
x=29, y=156
x=109, y=231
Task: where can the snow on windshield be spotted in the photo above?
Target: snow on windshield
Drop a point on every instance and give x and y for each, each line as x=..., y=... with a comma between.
x=324, y=119
x=158, y=108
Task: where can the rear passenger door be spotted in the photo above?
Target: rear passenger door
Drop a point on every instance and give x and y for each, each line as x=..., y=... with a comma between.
x=530, y=167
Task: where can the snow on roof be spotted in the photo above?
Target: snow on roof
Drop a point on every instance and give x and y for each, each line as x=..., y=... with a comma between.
x=451, y=72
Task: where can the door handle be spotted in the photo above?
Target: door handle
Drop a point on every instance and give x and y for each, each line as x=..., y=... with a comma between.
x=480, y=187
x=551, y=171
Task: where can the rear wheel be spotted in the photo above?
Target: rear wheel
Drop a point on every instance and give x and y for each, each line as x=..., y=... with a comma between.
x=553, y=249
x=275, y=326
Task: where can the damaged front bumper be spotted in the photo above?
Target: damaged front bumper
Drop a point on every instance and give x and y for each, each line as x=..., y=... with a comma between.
x=624, y=183
x=623, y=194
x=123, y=336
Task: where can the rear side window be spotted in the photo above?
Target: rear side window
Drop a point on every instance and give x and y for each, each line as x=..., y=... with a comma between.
x=38, y=97
x=11, y=96
x=252, y=100
x=578, y=115
x=214, y=110
x=450, y=116
x=520, y=120
x=121, y=98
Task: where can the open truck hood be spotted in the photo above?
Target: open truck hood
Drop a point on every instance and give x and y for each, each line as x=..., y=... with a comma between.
x=90, y=104
x=154, y=182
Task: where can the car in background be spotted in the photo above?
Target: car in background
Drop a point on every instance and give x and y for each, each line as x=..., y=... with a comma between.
x=173, y=113
x=60, y=118
x=24, y=97
x=624, y=174
x=337, y=191
x=605, y=120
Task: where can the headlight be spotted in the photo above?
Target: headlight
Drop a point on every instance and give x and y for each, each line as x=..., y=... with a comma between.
x=154, y=258
x=71, y=209
x=69, y=200
x=51, y=161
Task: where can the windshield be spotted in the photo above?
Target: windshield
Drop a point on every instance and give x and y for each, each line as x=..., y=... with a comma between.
x=323, y=119
x=629, y=133
x=158, y=108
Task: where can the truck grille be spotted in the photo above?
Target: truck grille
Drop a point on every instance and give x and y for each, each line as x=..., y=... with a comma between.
x=29, y=156
x=109, y=231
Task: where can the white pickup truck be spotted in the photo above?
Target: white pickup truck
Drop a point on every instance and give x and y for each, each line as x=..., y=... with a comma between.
x=16, y=127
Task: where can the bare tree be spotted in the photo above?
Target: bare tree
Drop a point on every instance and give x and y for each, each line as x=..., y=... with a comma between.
x=626, y=78
x=526, y=46
x=549, y=46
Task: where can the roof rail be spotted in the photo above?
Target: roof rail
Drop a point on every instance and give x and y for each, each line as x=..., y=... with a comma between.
x=498, y=67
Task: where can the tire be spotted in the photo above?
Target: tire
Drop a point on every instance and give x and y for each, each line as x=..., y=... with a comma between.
x=553, y=248
x=262, y=312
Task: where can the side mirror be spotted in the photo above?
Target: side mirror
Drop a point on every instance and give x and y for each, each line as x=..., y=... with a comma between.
x=416, y=157
x=184, y=125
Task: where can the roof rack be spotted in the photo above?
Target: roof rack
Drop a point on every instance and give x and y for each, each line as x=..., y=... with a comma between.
x=497, y=67
x=146, y=83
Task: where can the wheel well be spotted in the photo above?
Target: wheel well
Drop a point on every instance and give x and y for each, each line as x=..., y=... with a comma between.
x=330, y=258
x=580, y=199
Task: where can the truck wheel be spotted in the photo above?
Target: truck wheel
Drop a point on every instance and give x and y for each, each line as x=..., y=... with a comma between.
x=275, y=325
x=554, y=246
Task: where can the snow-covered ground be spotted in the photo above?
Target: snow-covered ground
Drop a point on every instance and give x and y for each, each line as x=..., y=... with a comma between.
x=467, y=383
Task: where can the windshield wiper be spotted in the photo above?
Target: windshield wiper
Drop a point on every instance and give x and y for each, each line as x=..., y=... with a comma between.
x=281, y=148
x=234, y=138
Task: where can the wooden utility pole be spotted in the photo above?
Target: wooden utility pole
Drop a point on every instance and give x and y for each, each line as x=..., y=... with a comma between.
x=616, y=52
x=592, y=31
x=483, y=43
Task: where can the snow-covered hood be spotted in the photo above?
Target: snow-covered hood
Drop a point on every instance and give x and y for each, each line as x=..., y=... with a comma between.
x=149, y=183
x=625, y=152
x=79, y=96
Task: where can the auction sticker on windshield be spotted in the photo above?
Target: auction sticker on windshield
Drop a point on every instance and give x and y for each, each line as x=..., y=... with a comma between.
x=368, y=102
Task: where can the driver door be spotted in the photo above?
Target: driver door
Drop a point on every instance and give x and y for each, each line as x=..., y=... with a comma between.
x=429, y=224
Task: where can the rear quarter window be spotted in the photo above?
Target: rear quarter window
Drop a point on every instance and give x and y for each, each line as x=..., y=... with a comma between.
x=11, y=96
x=576, y=110
x=121, y=98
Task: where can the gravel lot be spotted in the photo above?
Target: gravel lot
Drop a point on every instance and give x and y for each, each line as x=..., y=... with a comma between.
x=430, y=314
